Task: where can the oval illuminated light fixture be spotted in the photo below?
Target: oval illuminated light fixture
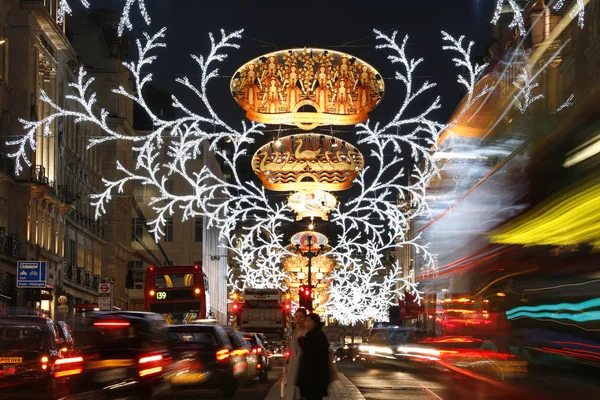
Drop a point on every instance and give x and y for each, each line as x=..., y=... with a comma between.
x=307, y=162
x=307, y=88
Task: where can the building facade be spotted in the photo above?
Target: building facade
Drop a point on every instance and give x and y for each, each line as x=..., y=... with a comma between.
x=46, y=213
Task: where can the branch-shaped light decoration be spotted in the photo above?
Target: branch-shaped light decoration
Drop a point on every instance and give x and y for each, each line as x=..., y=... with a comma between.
x=525, y=87
x=517, y=20
x=372, y=224
x=568, y=103
x=577, y=11
x=125, y=22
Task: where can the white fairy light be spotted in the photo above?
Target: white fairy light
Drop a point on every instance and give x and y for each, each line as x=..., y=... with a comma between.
x=525, y=88
x=577, y=11
x=125, y=22
x=517, y=20
x=567, y=103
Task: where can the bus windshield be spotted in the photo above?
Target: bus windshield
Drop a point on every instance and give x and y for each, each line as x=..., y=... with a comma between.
x=169, y=281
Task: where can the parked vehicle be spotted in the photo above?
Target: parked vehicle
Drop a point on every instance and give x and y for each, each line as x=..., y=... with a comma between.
x=263, y=362
x=32, y=364
x=202, y=358
x=124, y=355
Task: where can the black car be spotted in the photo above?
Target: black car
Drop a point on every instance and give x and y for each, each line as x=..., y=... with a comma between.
x=124, y=355
x=202, y=358
x=32, y=364
x=261, y=353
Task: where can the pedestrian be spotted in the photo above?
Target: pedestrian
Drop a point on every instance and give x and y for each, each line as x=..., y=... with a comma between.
x=313, y=371
x=289, y=390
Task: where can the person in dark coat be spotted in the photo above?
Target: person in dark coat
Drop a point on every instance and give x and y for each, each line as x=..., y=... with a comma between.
x=313, y=371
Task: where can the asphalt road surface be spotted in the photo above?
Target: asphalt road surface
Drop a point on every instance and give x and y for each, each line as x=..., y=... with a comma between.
x=384, y=383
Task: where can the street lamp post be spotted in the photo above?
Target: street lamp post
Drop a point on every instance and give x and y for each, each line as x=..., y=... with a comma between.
x=309, y=254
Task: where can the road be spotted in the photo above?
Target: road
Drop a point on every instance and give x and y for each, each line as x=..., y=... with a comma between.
x=384, y=383
x=255, y=391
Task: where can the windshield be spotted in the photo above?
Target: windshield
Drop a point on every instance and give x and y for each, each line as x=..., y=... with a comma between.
x=19, y=338
x=169, y=281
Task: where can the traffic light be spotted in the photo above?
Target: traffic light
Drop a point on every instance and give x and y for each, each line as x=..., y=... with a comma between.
x=305, y=297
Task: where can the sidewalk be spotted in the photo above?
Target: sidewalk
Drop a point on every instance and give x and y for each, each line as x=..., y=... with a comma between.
x=342, y=389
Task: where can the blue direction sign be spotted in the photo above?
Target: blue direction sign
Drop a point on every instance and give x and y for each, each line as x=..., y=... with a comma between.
x=31, y=274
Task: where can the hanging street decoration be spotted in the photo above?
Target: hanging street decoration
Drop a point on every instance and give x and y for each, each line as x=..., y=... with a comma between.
x=314, y=204
x=307, y=162
x=337, y=88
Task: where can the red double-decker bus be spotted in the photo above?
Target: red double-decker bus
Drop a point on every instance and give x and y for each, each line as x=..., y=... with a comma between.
x=177, y=292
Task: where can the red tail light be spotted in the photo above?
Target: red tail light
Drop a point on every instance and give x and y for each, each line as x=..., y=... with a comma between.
x=222, y=354
x=44, y=363
x=114, y=324
x=66, y=366
x=151, y=365
x=286, y=353
x=148, y=359
x=241, y=352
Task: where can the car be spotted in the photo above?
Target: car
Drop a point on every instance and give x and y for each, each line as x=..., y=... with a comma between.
x=260, y=349
x=32, y=364
x=393, y=346
x=247, y=367
x=202, y=358
x=262, y=357
x=124, y=355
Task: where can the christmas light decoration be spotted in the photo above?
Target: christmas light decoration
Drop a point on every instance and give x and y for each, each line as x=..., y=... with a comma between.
x=525, y=88
x=517, y=20
x=577, y=11
x=567, y=103
x=372, y=224
x=65, y=9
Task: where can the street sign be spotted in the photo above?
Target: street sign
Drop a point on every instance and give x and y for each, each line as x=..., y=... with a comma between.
x=104, y=303
x=104, y=288
x=31, y=274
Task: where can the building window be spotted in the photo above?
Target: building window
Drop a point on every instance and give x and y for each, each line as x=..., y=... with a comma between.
x=137, y=228
x=169, y=230
x=198, y=230
x=72, y=252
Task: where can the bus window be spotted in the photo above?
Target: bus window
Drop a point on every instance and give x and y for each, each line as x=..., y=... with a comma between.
x=173, y=281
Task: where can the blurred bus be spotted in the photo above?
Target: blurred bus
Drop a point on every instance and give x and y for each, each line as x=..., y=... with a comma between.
x=179, y=293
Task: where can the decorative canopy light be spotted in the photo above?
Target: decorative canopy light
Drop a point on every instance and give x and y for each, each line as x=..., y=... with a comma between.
x=278, y=88
x=317, y=203
x=307, y=162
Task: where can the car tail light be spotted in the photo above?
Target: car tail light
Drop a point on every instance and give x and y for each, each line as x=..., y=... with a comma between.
x=150, y=365
x=67, y=366
x=241, y=352
x=44, y=363
x=222, y=354
x=257, y=350
x=113, y=324
x=286, y=353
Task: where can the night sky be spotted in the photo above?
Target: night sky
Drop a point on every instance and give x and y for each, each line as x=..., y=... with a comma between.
x=347, y=27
